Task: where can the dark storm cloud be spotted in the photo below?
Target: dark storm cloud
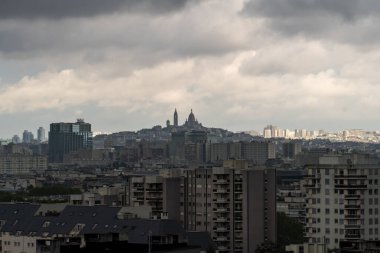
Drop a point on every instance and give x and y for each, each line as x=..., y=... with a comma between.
x=31, y=9
x=349, y=21
x=347, y=9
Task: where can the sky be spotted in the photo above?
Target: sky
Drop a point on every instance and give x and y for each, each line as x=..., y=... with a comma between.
x=239, y=64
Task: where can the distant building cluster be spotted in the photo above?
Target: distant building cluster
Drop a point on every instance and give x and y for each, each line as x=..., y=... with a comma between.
x=207, y=189
x=28, y=137
x=355, y=135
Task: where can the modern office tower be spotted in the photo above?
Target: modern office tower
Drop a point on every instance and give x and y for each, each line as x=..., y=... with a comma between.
x=342, y=199
x=234, y=203
x=175, y=118
x=27, y=137
x=291, y=149
x=41, y=134
x=161, y=193
x=67, y=137
x=16, y=139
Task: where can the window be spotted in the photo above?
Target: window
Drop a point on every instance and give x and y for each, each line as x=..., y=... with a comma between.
x=46, y=224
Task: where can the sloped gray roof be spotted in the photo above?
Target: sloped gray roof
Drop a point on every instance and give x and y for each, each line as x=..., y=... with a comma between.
x=22, y=219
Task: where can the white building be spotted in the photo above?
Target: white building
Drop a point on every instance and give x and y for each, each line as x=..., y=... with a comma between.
x=342, y=199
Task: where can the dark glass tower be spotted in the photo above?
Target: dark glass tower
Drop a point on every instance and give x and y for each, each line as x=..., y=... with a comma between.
x=67, y=137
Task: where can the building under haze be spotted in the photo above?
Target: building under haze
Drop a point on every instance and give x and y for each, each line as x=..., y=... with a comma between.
x=41, y=134
x=27, y=137
x=16, y=139
x=67, y=137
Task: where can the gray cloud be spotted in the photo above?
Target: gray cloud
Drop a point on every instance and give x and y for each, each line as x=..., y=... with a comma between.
x=348, y=21
x=53, y=9
x=347, y=9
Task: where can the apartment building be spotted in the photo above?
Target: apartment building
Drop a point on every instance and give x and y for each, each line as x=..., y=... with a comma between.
x=342, y=199
x=234, y=203
x=256, y=152
x=20, y=164
x=161, y=193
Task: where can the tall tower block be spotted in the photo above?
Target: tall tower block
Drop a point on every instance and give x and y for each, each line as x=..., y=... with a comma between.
x=175, y=118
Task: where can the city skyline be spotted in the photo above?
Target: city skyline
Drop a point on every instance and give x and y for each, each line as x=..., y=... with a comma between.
x=306, y=65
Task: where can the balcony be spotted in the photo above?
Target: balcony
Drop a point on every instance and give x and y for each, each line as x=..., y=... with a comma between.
x=222, y=200
x=138, y=189
x=352, y=206
x=352, y=196
x=222, y=239
x=223, y=249
x=312, y=176
x=221, y=229
x=316, y=185
x=352, y=236
x=352, y=226
x=221, y=210
x=221, y=190
x=352, y=217
x=154, y=198
x=221, y=181
x=350, y=176
x=222, y=220
x=154, y=189
x=351, y=186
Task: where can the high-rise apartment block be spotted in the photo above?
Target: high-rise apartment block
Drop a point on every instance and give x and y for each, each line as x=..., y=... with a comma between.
x=160, y=193
x=342, y=199
x=234, y=203
x=67, y=137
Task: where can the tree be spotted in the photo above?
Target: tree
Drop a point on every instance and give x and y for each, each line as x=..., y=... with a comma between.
x=289, y=231
x=267, y=247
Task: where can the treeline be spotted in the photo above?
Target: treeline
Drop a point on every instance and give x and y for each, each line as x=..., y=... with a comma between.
x=38, y=194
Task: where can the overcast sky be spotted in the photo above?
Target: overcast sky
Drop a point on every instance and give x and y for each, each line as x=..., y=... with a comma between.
x=126, y=64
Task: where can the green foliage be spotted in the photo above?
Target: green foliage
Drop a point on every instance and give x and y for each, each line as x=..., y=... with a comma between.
x=52, y=190
x=9, y=196
x=289, y=231
x=267, y=247
x=38, y=194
